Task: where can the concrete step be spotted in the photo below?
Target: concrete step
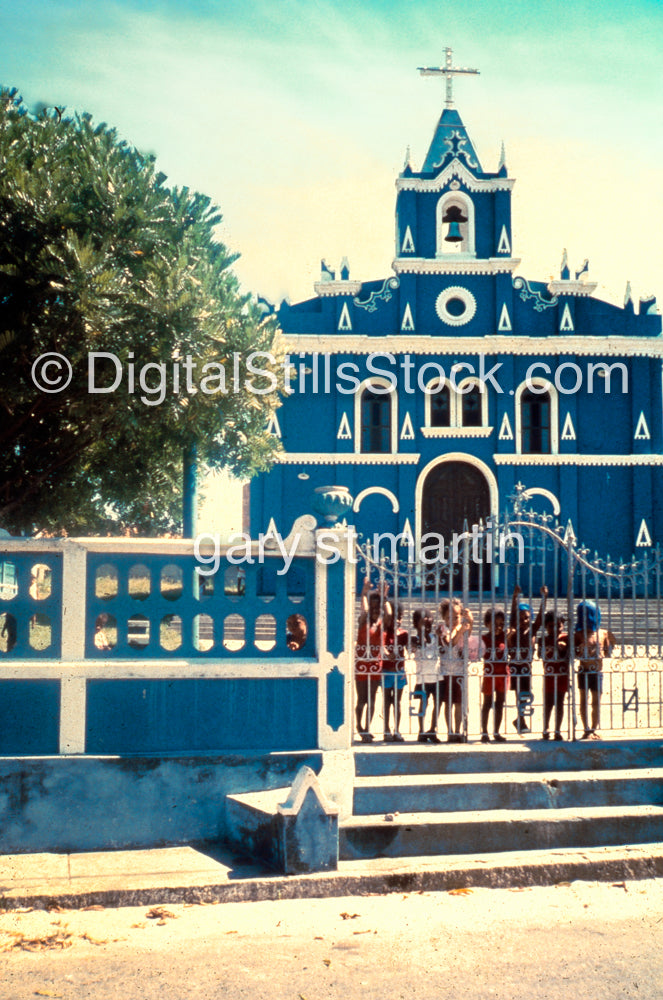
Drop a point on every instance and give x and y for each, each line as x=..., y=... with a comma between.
x=412, y=834
x=477, y=792
x=523, y=756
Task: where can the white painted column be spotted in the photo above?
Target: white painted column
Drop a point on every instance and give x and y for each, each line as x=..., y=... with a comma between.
x=73, y=689
x=72, y=714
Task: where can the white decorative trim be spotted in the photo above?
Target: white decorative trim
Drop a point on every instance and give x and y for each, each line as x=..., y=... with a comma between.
x=465, y=296
x=643, y=541
x=642, y=430
x=566, y=322
x=408, y=242
x=560, y=287
x=392, y=395
x=344, y=321
x=369, y=491
x=407, y=321
x=568, y=430
x=538, y=383
x=504, y=246
x=349, y=458
x=344, y=433
x=454, y=265
x=407, y=430
x=337, y=287
x=506, y=433
x=455, y=169
x=578, y=459
x=407, y=538
x=271, y=529
x=504, y=325
x=454, y=456
x=456, y=432
x=273, y=426
x=538, y=491
x=490, y=345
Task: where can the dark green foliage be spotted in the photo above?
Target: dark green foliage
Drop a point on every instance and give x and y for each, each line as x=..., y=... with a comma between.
x=98, y=254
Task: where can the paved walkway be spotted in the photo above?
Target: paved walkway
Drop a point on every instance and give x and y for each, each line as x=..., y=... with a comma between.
x=207, y=874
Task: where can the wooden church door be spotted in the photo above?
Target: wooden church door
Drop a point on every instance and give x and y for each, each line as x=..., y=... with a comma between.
x=455, y=492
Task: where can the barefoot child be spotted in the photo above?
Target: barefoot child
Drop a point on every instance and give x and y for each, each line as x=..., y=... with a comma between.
x=554, y=651
x=426, y=687
x=368, y=661
x=591, y=645
x=452, y=635
x=520, y=647
x=394, y=679
x=495, y=673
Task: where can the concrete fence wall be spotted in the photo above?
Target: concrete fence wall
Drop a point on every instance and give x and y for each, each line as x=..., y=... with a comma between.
x=123, y=646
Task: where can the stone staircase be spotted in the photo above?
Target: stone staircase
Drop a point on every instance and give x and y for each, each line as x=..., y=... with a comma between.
x=419, y=801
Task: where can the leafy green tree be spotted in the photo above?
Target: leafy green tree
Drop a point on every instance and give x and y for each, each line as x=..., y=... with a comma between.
x=97, y=254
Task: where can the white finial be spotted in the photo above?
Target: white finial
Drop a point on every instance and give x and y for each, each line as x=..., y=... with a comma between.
x=407, y=158
x=502, y=162
x=627, y=293
x=448, y=72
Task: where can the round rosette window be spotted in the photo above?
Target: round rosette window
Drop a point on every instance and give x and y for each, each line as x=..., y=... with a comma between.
x=456, y=305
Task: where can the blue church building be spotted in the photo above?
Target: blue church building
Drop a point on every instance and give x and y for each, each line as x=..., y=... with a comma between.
x=431, y=393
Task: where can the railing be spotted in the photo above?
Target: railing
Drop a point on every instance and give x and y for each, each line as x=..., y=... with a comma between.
x=607, y=677
x=130, y=646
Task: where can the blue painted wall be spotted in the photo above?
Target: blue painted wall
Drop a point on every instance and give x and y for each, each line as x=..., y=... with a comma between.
x=29, y=716
x=170, y=716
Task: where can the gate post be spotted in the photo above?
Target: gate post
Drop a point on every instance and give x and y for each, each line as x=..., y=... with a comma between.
x=335, y=600
x=570, y=562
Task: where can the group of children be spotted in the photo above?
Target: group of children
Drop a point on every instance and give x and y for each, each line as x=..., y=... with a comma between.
x=437, y=653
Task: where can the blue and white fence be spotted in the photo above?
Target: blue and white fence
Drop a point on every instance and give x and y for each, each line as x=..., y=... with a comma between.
x=124, y=646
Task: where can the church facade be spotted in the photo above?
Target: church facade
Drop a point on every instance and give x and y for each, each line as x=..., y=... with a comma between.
x=431, y=393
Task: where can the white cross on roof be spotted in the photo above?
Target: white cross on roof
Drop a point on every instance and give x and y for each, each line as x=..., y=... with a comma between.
x=448, y=72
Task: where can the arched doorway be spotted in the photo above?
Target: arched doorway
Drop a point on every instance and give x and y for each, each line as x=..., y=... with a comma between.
x=453, y=493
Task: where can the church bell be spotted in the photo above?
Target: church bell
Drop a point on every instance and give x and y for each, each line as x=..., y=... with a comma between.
x=454, y=216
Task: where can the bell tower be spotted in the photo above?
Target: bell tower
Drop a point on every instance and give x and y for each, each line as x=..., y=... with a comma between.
x=452, y=211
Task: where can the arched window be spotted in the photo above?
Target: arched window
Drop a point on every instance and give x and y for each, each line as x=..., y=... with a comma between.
x=455, y=224
x=375, y=418
x=537, y=409
x=440, y=406
x=472, y=404
x=375, y=422
x=535, y=423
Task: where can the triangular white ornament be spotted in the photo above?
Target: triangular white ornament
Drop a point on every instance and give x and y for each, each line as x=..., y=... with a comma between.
x=568, y=430
x=566, y=322
x=641, y=430
x=344, y=433
x=643, y=540
x=504, y=246
x=273, y=426
x=408, y=243
x=504, y=324
x=407, y=536
x=407, y=431
x=408, y=322
x=271, y=529
x=569, y=533
x=505, y=434
x=345, y=322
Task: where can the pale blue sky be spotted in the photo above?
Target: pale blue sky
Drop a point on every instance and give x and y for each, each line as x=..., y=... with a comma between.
x=294, y=117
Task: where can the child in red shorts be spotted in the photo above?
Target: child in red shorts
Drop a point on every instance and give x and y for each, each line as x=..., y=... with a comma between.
x=495, y=682
x=554, y=651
